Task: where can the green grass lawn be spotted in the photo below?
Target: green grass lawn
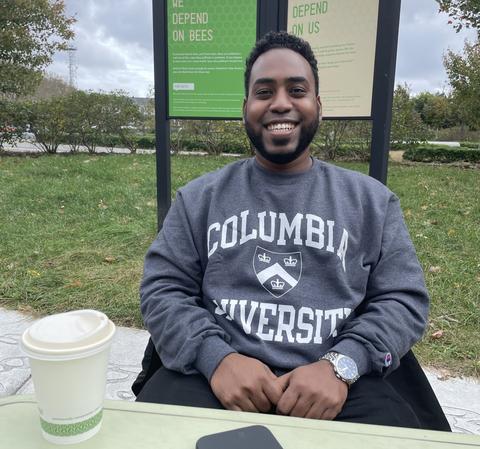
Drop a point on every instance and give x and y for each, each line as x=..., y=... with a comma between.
x=74, y=230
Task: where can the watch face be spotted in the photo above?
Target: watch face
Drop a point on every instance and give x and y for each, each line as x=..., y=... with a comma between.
x=347, y=368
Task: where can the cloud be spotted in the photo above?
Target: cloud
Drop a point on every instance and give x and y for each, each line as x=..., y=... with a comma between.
x=115, y=50
x=424, y=37
x=114, y=46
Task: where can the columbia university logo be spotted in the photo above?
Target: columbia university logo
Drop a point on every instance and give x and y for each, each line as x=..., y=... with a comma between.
x=278, y=273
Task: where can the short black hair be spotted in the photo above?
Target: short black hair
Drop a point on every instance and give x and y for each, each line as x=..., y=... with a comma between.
x=281, y=39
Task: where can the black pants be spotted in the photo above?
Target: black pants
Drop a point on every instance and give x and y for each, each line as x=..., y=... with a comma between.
x=371, y=400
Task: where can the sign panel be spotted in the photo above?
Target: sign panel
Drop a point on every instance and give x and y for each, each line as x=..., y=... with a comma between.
x=208, y=42
x=343, y=36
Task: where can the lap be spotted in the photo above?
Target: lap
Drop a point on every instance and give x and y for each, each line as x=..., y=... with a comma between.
x=371, y=400
x=171, y=387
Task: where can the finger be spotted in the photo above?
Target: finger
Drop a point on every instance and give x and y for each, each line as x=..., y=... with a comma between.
x=261, y=402
x=246, y=405
x=283, y=381
x=301, y=408
x=316, y=411
x=287, y=402
x=273, y=390
x=329, y=414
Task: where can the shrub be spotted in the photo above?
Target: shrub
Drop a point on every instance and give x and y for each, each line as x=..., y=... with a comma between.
x=146, y=141
x=442, y=154
x=474, y=145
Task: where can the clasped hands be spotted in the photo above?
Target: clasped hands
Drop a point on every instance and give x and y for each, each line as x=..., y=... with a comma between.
x=312, y=391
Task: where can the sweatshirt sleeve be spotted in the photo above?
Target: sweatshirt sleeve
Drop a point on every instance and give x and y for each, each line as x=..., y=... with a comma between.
x=394, y=314
x=185, y=334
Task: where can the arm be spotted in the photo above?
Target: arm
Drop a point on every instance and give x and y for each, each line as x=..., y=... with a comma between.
x=394, y=313
x=392, y=318
x=186, y=335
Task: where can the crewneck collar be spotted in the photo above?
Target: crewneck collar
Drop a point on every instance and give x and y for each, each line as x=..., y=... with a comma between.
x=283, y=178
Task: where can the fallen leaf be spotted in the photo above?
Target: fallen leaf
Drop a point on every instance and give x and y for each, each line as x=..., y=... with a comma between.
x=33, y=273
x=435, y=269
x=102, y=205
x=109, y=259
x=74, y=284
x=424, y=207
x=437, y=334
x=444, y=375
x=451, y=232
x=433, y=222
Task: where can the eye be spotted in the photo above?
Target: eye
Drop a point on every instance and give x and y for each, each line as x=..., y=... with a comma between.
x=298, y=91
x=262, y=93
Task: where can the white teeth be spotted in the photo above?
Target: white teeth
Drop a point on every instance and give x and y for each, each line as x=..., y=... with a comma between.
x=281, y=126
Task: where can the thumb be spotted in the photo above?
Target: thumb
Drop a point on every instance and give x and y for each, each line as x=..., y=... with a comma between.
x=274, y=389
x=284, y=380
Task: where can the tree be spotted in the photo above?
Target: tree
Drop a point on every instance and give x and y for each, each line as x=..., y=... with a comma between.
x=463, y=72
x=462, y=12
x=31, y=31
x=407, y=126
x=436, y=110
x=48, y=123
x=329, y=137
x=122, y=116
x=10, y=121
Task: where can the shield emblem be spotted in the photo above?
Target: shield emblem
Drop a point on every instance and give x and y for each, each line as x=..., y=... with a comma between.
x=278, y=273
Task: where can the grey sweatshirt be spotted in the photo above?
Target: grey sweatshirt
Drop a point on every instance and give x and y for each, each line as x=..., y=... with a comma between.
x=283, y=268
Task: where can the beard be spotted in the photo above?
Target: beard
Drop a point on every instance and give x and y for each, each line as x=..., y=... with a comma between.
x=306, y=136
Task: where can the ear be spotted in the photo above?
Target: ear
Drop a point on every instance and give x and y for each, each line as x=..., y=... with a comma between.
x=320, y=110
x=244, y=108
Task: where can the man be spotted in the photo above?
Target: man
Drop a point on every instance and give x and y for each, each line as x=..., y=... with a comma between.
x=281, y=283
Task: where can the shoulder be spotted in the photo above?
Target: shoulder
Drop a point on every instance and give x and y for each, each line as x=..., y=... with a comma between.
x=213, y=181
x=353, y=182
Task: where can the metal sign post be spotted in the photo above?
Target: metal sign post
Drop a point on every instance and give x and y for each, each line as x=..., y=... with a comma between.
x=383, y=86
x=162, y=125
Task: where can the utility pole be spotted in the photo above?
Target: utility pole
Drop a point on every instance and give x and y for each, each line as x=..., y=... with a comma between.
x=72, y=67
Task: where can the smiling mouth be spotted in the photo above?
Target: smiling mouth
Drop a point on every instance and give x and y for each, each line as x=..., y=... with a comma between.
x=281, y=127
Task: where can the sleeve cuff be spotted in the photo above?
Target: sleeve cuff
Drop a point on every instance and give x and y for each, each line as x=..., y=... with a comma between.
x=211, y=352
x=356, y=351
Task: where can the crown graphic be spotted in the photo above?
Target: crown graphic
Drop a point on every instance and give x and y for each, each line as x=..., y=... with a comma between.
x=277, y=284
x=264, y=258
x=290, y=262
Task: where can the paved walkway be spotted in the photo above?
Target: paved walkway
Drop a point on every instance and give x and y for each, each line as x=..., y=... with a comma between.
x=460, y=398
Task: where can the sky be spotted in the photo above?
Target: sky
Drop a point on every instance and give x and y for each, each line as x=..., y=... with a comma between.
x=115, y=50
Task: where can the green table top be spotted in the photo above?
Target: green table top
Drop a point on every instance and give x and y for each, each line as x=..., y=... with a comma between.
x=144, y=426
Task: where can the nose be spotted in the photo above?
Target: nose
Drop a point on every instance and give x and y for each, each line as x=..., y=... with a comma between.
x=281, y=102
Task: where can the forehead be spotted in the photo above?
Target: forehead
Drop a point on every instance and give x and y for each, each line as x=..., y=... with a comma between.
x=280, y=64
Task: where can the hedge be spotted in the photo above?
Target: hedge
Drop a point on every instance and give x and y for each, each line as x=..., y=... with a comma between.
x=474, y=145
x=442, y=154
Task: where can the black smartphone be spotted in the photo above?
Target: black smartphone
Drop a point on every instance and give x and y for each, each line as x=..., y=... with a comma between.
x=253, y=437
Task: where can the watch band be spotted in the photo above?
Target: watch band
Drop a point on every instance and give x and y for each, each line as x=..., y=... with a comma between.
x=334, y=358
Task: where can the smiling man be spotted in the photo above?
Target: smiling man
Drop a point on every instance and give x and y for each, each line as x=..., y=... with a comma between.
x=281, y=283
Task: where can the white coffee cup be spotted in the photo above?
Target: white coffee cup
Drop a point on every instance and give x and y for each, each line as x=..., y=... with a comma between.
x=68, y=355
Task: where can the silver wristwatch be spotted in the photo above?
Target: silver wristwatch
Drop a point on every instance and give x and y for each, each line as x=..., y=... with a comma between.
x=344, y=367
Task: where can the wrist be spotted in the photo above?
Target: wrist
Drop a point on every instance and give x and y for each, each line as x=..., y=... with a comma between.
x=344, y=367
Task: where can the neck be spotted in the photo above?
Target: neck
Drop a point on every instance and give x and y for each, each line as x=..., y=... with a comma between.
x=302, y=164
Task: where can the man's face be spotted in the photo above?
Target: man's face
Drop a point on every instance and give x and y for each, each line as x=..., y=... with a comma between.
x=282, y=111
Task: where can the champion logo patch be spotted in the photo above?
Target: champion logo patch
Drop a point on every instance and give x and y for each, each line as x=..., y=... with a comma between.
x=388, y=359
x=278, y=273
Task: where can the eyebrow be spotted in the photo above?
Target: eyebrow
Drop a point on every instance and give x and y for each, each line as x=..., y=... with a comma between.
x=292, y=79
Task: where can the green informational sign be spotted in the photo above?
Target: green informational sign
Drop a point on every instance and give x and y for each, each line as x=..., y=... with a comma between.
x=208, y=41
